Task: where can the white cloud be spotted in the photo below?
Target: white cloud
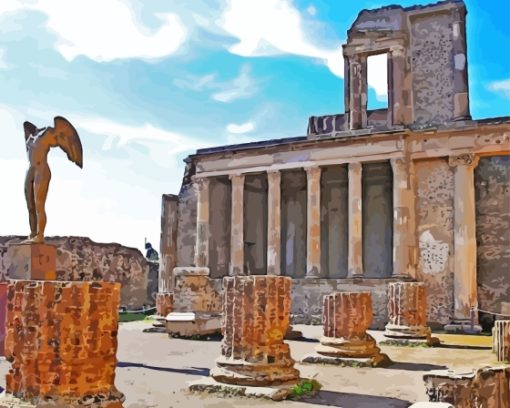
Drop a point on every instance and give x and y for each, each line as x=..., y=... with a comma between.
x=196, y=83
x=272, y=27
x=269, y=27
x=242, y=128
x=502, y=87
x=240, y=87
x=105, y=30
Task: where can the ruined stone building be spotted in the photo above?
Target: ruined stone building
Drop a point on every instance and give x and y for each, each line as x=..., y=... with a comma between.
x=418, y=191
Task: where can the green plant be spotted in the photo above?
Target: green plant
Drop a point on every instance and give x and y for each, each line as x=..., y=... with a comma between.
x=305, y=388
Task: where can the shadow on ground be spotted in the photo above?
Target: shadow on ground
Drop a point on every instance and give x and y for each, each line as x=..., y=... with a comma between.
x=415, y=366
x=340, y=399
x=189, y=371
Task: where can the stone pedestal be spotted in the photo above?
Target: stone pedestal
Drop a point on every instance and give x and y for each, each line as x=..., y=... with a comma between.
x=256, y=312
x=407, y=312
x=346, y=318
x=501, y=340
x=196, y=304
x=485, y=387
x=62, y=342
x=32, y=261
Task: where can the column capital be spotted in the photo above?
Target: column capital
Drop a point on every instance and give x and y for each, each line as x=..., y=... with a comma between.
x=313, y=171
x=466, y=159
x=236, y=177
x=201, y=182
x=275, y=174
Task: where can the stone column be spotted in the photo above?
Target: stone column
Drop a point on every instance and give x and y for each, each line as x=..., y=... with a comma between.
x=62, y=342
x=398, y=69
x=313, y=228
x=237, y=226
x=357, y=92
x=168, y=242
x=407, y=311
x=460, y=71
x=202, y=241
x=465, y=289
x=346, y=317
x=501, y=340
x=403, y=209
x=355, y=257
x=256, y=312
x=274, y=223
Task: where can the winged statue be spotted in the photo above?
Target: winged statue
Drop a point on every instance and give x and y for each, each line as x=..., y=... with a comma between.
x=38, y=143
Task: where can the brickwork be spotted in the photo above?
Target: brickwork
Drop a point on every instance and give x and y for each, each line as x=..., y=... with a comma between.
x=62, y=341
x=3, y=313
x=256, y=312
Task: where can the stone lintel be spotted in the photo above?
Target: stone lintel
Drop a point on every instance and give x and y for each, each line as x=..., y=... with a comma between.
x=32, y=262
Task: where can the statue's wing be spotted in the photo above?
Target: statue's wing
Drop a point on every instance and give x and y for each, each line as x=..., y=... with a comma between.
x=68, y=140
x=29, y=129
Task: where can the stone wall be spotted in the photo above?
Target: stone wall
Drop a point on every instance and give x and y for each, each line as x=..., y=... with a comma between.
x=492, y=187
x=432, y=68
x=307, y=298
x=434, y=212
x=81, y=259
x=186, y=226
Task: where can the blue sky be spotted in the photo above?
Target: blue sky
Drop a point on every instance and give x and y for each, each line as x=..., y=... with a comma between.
x=147, y=83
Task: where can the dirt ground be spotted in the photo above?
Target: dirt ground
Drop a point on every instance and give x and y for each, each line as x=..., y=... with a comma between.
x=153, y=371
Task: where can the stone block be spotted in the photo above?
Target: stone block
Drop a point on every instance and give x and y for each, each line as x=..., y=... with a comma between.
x=32, y=261
x=193, y=324
x=164, y=304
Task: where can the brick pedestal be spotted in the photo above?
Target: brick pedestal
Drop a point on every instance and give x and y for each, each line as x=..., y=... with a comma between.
x=3, y=312
x=407, y=311
x=256, y=312
x=32, y=261
x=346, y=318
x=164, y=304
x=62, y=342
x=501, y=340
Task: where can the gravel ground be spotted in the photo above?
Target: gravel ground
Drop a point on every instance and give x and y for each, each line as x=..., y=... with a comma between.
x=153, y=371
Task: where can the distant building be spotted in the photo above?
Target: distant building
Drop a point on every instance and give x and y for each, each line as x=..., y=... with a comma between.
x=417, y=191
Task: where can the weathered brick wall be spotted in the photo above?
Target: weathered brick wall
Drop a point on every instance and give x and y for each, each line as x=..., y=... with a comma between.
x=62, y=338
x=492, y=183
x=432, y=67
x=434, y=212
x=82, y=259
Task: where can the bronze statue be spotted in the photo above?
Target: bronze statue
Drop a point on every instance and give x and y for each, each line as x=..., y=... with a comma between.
x=38, y=143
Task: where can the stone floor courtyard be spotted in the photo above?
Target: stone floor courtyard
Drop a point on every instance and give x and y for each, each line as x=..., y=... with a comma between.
x=153, y=371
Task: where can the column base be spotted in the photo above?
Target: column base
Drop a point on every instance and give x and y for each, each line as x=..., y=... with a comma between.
x=394, y=331
x=241, y=372
x=364, y=347
x=272, y=392
x=113, y=399
x=463, y=326
x=378, y=360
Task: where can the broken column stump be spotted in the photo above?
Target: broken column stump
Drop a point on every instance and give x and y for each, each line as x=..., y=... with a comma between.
x=407, y=313
x=164, y=306
x=346, y=317
x=32, y=261
x=3, y=312
x=256, y=312
x=61, y=342
x=485, y=387
x=501, y=340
